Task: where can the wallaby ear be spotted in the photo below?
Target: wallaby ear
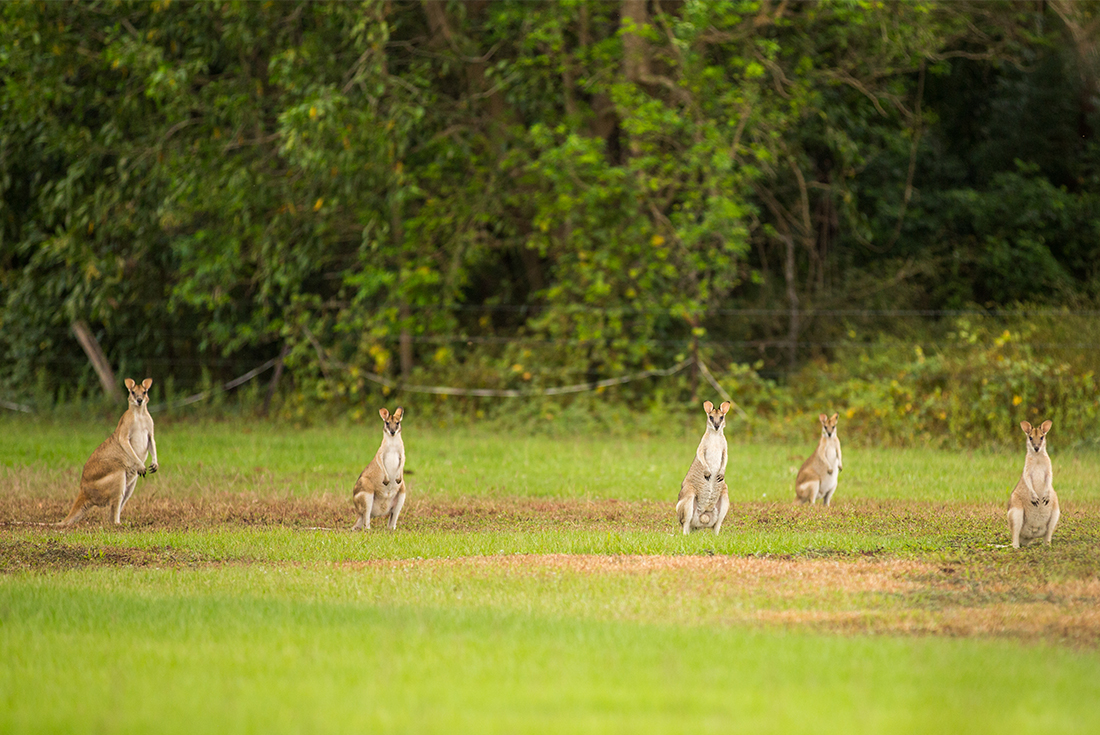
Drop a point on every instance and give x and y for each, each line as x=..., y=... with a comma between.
x=833, y=418
x=147, y=383
x=708, y=406
x=724, y=408
x=384, y=413
x=1026, y=427
x=1045, y=427
x=129, y=383
x=823, y=419
x=398, y=413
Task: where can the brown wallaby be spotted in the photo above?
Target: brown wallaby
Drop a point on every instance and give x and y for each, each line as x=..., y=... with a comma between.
x=380, y=489
x=1033, y=506
x=818, y=476
x=111, y=473
x=704, y=499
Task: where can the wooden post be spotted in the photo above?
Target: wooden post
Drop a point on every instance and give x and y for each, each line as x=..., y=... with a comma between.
x=98, y=359
x=274, y=384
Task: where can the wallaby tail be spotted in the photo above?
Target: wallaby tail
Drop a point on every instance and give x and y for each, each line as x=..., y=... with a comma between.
x=684, y=509
x=80, y=507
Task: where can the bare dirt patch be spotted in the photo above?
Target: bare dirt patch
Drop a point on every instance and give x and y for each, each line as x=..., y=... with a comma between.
x=969, y=586
x=335, y=512
x=52, y=555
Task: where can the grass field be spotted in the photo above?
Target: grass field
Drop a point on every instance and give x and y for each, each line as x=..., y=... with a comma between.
x=537, y=585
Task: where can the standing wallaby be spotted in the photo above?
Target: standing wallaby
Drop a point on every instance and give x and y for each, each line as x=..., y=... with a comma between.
x=1033, y=507
x=818, y=475
x=380, y=489
x=704, y=499
x=111, y=473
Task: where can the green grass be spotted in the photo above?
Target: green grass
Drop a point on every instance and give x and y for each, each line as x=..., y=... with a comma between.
x=276, y=628
x=467, y=462
x=288, y=544
x=322, y=649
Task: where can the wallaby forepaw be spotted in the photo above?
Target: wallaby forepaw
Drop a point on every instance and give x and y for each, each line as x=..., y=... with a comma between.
x=1046, y=501
x=153, y=468
x=706, y=475
x=720, y=478
x=385, y=482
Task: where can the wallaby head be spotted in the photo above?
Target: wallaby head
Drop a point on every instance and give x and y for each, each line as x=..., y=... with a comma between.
x=1036, y=435
x=828, y=425
x=716, y=418
x=391, y=425
x=139, y=394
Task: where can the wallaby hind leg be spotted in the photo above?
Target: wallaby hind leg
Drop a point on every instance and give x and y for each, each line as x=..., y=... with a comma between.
x=118, y=499
x=827, y=498
x=1054, y=515
x=723, y=508
x=807, y=492
x=685, y=511
x=398, y=504
x=364, y=502
x=1015, y=525
x=131, y=483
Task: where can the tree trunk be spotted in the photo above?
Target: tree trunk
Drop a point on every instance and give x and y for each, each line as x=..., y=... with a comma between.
x=635, y=52
x=98, y=359
x=405, y=345
x=790, y=274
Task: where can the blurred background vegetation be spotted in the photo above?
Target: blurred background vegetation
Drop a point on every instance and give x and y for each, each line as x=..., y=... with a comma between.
x=886, y=209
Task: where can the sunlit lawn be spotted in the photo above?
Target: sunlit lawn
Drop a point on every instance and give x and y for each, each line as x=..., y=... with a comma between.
x=280, y=629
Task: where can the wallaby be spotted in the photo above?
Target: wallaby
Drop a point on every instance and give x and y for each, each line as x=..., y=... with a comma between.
x=818, y=475
x=111, y=473
x=380, y=489
x=704, y=499
x=1033, y=507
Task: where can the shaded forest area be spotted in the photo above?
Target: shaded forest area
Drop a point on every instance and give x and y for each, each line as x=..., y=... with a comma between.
x=530, y=194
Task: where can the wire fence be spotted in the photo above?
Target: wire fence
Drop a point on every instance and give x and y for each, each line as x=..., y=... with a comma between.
x=811, y=343
x=327, y=363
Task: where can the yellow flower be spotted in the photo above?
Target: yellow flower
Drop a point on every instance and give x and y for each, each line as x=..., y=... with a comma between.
x=1016, y=400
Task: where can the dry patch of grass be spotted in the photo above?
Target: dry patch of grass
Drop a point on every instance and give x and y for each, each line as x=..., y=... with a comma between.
x=970, y=585
x=848, y=596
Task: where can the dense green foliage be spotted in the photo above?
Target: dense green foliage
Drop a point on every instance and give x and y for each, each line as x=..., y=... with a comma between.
x=517, y=194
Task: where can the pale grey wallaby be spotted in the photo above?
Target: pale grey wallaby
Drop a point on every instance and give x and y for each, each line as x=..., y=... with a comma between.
x=819, y=475
x=704, y=499
x=1033, y=506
